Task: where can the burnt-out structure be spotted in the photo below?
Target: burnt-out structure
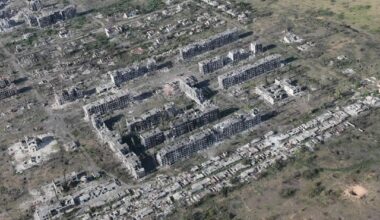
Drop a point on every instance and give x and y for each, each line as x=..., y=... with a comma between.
x=68, y=95
x=256, y=47
x=250, y=71
x=192, y=120
x=212, y=43
x=108, y=104
x=213, y=64
x=186, y=147
x=152, y=138
x=44, y=17
x=120, y=76
x=152, y=118
x=236, y=124
x=7, y=89
x=237, y=55
x=189, y=86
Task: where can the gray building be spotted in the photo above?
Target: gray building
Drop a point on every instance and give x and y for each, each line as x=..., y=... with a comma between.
x=185, y=148
x=256, y=47
x=120, y=76
x=189, y=87
x=213, y=64
x=108, y=104
x=212, y=43
x=250, y=71
x=236, y=124
x=7, y=89
x=68, y=95
x=152, y=118
x=152, y=138
x=46, y=17
x=192, y=120
x=238, y=55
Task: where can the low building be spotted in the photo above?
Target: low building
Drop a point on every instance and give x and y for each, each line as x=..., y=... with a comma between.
x=279, y=90
x=68, y=95
x=7, y=89
x=272, y=93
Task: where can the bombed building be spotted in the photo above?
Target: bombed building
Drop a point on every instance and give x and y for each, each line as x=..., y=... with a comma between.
x=186, y=147
x=250, y=71
x=68, y=95
x=236, y=124
x=7, y=89
x=271, y=93
x=256, y=47
x=189, y=87
x=152, y=118
x=120, y=76
x=238, y=55
x=43, y=17
x=279, y=90
x=121, y=150
x=212, y=43
x=218, y=62
x=213, y=64
x=152, y=138
x=192, y=120
x=133, y=164
x=290, y=86
x=108, y=104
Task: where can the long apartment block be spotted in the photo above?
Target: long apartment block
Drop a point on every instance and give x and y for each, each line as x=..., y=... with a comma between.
x=250, y=71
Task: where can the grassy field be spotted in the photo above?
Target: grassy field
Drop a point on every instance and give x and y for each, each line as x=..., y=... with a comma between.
x=363, y=14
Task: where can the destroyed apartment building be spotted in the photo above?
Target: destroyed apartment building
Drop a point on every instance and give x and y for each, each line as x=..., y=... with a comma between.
x=250, y=71
x=237, y=55
x=120, y=76
x=213, y=64
x=216, y=63
x=185, y=148
x=7, y=89
x=212, y=43
x=70, y=95
x=152, y=138
x=236, y=124
x=188, y=146
x=189, y=86
x=45, y=16
x=192, y=120
x=278, y=91
x=121, y=150
x=108, y=104
x=152, y=118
